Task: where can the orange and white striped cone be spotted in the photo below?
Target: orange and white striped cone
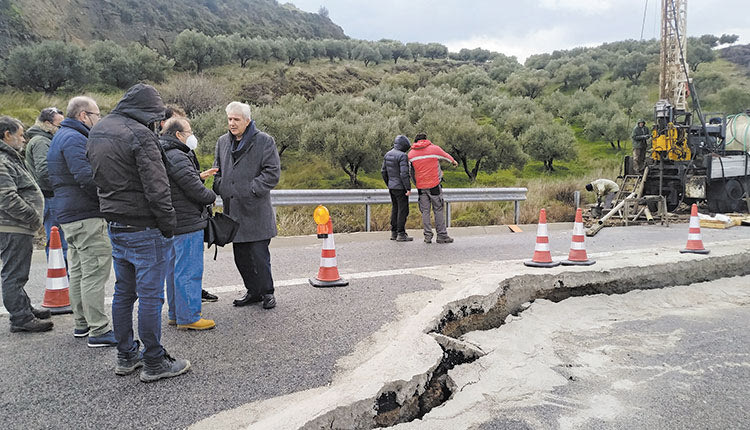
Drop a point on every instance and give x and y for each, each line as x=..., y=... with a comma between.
x=56, y=289
x=542, y=256
x=695, y=242
x=328, y=274
x=577, y=255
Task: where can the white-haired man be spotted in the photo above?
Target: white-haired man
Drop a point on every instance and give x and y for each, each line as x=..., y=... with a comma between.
x=249, y=168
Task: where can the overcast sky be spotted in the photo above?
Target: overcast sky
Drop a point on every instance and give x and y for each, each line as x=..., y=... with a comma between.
x=522, y=28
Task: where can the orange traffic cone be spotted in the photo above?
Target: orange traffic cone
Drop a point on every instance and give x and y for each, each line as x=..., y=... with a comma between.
x=695, y=242
x=577, y=255
x=328, y=274
x=56, y=293
x=542, y=256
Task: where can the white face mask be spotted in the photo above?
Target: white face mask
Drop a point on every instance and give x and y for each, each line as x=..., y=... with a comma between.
x=191, y=142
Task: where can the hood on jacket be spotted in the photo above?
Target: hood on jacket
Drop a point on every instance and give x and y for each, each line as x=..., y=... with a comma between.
x=424, y=143
x=401, y=143
x=38, y=130
x=142, y=103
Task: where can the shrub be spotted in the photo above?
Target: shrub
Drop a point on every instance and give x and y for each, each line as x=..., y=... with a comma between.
x=194, y=93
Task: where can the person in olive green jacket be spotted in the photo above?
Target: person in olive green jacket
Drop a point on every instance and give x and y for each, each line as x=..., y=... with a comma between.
x=40, y=135
x=640, y=137
x=20, y=218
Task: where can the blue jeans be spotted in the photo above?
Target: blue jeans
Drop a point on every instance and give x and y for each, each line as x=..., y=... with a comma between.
x=185, y=278
x=51, y=220
x=140, y=261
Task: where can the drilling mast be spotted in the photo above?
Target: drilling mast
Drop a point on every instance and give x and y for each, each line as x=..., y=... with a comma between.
x=673, y=84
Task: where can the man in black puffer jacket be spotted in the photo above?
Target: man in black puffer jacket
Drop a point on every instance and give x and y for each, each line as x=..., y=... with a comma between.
x=134, y=196
x=189, y=198
x=395, y=173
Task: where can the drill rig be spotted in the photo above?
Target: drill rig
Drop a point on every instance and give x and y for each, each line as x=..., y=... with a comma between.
x=690, y=162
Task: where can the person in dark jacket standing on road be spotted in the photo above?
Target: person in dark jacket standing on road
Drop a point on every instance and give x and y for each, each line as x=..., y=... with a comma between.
x=395, y=173
x=77, y=210
x=176, y=111
x=134, y=196
x=190, y=199
x=20, y=218
x=249, y=168
x=40, y=135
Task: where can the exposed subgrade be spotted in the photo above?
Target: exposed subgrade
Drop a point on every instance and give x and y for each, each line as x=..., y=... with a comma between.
x=403, y=402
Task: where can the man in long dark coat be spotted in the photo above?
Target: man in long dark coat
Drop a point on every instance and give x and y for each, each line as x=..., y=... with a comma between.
x=249, y=168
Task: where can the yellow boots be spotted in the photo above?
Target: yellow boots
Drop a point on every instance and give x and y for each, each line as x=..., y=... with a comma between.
x=201, y=324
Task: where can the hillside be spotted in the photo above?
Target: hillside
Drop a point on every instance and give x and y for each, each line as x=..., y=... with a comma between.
x=738, y=54
x=154, y=23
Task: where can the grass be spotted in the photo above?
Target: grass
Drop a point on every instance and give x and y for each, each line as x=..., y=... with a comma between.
x=25, y=106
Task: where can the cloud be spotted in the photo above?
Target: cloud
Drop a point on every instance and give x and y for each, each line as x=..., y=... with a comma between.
x=539, y=41
x=589, y=7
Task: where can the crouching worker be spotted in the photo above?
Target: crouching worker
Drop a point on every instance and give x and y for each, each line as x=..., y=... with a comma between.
x=606, y=191
x=190, y=199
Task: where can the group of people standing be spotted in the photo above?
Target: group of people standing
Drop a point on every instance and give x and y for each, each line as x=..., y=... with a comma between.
x=127, y=191
x=422, y=165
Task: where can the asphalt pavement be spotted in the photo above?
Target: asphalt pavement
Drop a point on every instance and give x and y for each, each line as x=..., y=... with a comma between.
x=52, y=380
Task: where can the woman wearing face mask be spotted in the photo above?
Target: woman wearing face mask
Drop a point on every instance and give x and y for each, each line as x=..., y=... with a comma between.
x=189, y=198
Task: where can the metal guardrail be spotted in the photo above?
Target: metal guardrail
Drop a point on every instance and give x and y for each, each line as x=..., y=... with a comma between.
x=369, y=197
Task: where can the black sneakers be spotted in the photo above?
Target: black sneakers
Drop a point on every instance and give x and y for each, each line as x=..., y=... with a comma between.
x=167, y=367
x=403, y=237
x=444, y=239
x=32, y=326
x=208, y=297
x=129, y=363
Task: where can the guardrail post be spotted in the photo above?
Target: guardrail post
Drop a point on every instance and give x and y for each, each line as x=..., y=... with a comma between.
x=367, y=217
x=448, y=214
x=517, y=212
x=577, y=198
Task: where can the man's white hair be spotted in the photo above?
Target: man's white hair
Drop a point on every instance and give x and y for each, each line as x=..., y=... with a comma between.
x=239, y=108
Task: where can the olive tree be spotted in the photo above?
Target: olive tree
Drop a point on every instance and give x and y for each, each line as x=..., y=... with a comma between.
x=547, y=142
x=48, y=66
x=285, y=121
x=527, y=83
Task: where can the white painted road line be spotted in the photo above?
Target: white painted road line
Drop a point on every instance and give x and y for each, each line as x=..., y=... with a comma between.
x=291, y=282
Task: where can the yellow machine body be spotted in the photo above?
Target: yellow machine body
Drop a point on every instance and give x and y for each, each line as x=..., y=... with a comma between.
x=671, y=145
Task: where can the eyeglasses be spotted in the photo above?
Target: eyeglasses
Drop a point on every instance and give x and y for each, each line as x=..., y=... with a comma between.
x=94, y=113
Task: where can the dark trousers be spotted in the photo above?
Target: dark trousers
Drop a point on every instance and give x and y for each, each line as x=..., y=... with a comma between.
x=15, y=252
x=253, y=260
x=399, y=210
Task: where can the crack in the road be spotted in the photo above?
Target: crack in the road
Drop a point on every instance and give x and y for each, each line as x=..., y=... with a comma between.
x=392, y=406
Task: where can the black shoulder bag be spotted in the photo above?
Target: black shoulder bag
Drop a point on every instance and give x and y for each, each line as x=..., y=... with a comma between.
x=220, y=230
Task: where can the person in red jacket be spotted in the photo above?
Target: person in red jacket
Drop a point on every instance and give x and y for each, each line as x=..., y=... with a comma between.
x=424, y=158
